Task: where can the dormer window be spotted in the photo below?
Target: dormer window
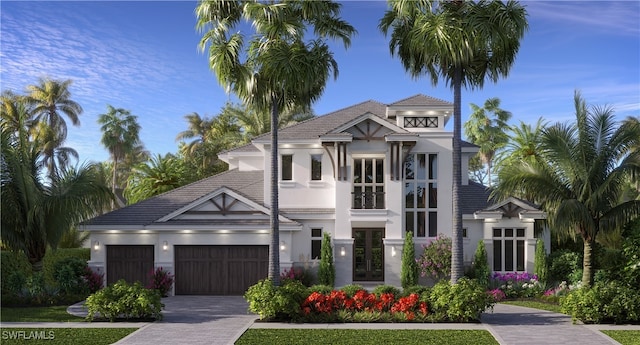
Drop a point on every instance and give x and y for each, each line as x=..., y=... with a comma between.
x=421, y=122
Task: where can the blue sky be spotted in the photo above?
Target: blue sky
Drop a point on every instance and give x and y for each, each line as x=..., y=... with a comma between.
x=144, y=57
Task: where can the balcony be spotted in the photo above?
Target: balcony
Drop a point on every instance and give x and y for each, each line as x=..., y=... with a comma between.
x=367, y=200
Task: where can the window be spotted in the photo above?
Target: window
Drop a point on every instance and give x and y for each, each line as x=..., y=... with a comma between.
x=421, y=122
x=316, y=243
x=421, y=194
x=316, y=167
x=368, y=183
x=286, y=170
x=508, y=249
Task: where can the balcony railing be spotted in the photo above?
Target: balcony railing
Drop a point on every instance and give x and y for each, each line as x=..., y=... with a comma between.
x=368, y=200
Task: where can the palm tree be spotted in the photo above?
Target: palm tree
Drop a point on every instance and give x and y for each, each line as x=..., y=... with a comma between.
x=255, y=123
x=159, y=175
x=120, y=135
x=486, y=128
x=35, y=215
x=197, y=128
x=54, y=156
x=280, y=70
x=464, y=43
x=49, y=98
x=16, y=112
x=579, y=176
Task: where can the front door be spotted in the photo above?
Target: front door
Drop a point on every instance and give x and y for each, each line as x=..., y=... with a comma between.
x=368, y=255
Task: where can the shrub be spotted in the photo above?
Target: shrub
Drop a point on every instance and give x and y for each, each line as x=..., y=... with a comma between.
x=53, y=256
x=612, y=302
x=562, y=264
x=160, y=280
x=15, y=283
x=480, y=268
x=124, y=301
x=12, y=262
x=417, y=289
x=464, y=301
x=540, y=267
x=517, y=285
x=436, y=258
x=272, y=302
x=94, y=279
x=69, y=275
x=382, y=289
x=323, y=289
x=326, y=270
x=409, y=269
x=351, y=289
x=300, y=274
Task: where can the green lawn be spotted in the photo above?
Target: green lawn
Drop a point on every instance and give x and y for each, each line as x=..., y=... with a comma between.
x=38, y=314
x=63, y=336
x=624, y=337
x=364, y=336
x=535, y=304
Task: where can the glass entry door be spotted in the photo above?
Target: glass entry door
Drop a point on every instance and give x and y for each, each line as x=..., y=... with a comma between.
x=368, y=255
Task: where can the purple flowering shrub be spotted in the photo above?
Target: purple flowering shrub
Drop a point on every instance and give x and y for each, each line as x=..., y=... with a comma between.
x=93, y=279
x=517, y=285
x=298, y=273
x=435, y=260
x=160, y=280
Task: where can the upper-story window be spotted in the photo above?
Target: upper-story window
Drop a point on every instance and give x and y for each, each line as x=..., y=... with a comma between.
x=316, y=167
x=421, y=122
x=368, y=183
x=421, y=194
x=286, y=168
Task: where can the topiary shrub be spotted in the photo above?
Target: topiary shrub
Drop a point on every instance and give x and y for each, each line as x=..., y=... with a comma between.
x=409, y=272
x=480, y=267
x=464, y=301
x=122, y=300
x=540, y=267
x=326, y=270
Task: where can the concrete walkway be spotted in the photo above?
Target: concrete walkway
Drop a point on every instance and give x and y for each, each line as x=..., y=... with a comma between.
x=223, y=319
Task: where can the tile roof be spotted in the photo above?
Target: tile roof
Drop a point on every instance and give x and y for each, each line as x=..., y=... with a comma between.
x=421, y=100
x=247, y=183
x=475, y=197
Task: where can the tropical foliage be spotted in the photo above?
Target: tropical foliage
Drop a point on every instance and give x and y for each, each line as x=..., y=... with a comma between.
x=279, y=69
x=464, y=43
x=579, y=176
x=158, y=175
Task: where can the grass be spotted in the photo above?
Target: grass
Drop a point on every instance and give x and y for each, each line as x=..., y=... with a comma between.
x=364, y=336
x=63, y=336
x=624, y=337
x=535, y=304
x=38, y=314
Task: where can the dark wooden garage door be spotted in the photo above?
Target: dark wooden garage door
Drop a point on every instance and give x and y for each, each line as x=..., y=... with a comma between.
x=131, y=263
x=219, y=270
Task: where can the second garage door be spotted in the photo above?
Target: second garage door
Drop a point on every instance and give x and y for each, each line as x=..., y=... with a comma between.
x=219, y=270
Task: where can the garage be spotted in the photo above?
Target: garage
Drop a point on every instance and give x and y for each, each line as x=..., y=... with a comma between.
x=219, y=270
x=131, y=263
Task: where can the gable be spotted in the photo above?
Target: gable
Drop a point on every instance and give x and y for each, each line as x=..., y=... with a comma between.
x=511, y=208
x=369, y=127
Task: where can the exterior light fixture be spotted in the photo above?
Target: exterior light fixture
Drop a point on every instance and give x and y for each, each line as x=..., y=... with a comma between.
x=96, y=245
x=165, y=245
x=393, y=251
x=343, y=252
x=283, y=245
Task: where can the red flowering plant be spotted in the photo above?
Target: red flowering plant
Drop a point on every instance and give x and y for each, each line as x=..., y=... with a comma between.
x=337, y=306
x=94, y=279
x=160, y=280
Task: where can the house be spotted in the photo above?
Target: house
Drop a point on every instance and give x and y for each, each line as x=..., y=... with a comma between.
x=365, y=174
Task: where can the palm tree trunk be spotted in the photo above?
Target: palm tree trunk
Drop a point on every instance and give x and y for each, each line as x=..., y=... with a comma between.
x=457, y=269
x=113, y=182
x=274, y=248
x=587, y=262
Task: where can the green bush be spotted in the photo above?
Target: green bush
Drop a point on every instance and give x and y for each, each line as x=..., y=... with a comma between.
x=417, y=289
x=409, y=273
x=326, y=269
x=272, y=302
x=540, y=267
x=10, y=263
x=380, y=289
x=122, y=300
x=52, y=257
x=351, y=289
x=562, y=264
x=464, y=301
x=323, y=289
x=605, y=302
x=480, y=268
x=69, y=275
